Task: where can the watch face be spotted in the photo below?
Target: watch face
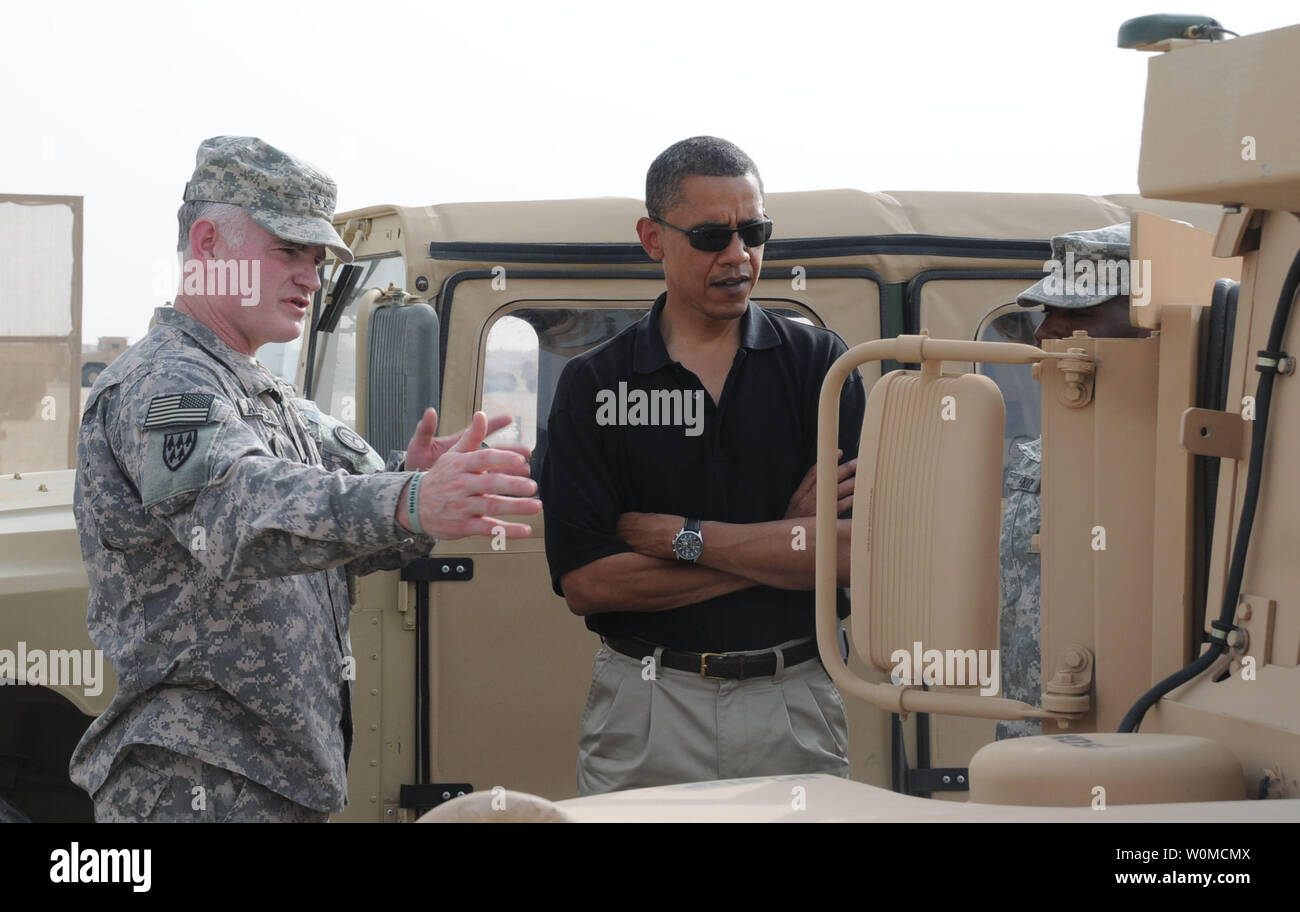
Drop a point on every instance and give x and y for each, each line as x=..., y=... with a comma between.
x=688, y=545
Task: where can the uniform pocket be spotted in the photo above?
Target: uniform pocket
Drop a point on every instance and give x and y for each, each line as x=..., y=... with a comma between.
x=241, y=811
x=137, y=788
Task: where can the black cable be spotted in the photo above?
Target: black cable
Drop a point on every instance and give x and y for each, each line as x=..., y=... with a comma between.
x=1267, y=364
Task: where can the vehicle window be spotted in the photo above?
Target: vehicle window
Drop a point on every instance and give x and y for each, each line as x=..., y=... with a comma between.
x=281, y=358
x=510, y=379
x=336, y=352
x=527, y=349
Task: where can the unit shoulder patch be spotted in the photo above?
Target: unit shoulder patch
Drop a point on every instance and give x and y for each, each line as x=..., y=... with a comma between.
x=178, y=461
x=338, y=442
x=351, y=439
x=177, y=447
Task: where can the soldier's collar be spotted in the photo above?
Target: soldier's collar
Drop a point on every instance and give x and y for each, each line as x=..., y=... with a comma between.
x=253, y=376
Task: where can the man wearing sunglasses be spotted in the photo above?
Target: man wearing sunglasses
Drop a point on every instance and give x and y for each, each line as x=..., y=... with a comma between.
x=688, y=547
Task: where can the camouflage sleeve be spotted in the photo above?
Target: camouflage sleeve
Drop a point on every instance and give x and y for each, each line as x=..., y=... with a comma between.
x=398, y=557
x=197, y=464
x=343, y=448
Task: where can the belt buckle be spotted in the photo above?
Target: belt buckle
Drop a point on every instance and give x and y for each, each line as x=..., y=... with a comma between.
x=704, y=665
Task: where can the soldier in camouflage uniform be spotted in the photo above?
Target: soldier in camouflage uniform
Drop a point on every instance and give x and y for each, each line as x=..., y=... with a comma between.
x=1018, y=628
x=1070, y=302
x=220, y=515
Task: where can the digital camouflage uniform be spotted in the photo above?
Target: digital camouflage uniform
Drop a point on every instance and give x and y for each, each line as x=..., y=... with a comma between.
x=219, y=517
x=1018, y=625
x=152, y=784
x=217, y=514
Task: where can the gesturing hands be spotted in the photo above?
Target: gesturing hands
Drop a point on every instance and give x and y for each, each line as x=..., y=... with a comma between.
x=465, y=487
x=425, y=449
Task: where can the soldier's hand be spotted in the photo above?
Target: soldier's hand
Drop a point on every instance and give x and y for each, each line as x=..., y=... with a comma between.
x=804, y=500
x=468, y=487
x=425, y=449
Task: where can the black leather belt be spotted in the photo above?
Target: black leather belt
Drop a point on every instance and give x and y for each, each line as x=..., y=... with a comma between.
x=728, y=665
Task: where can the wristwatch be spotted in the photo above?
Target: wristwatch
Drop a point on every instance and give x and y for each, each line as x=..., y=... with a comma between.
x=689, y=543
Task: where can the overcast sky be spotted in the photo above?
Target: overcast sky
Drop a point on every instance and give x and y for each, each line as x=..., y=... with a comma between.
x=439, y=102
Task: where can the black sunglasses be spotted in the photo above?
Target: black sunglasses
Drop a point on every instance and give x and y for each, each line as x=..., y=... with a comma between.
x=713, y=239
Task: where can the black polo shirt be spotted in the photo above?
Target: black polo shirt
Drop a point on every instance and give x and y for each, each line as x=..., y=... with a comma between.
x=740, y=464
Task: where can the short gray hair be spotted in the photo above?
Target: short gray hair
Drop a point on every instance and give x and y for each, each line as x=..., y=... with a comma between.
x=705, y=156
x=230, y=219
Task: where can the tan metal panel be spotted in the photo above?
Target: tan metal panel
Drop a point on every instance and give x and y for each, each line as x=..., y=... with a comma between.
x=1222, y=123
x=1098, y=490
x=1176, y=265
x=1175, y=521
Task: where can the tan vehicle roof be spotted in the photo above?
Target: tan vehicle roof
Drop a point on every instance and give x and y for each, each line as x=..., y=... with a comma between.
x=478, y=235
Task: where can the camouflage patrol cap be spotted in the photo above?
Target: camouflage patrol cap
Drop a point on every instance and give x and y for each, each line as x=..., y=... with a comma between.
x=285, y=195
x=1073, y=285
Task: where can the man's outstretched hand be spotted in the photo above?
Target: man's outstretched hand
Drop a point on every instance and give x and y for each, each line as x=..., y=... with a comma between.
x=466, y=487
x=425, y=449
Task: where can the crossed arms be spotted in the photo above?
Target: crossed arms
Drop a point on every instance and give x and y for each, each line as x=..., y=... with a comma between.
x=736, y=556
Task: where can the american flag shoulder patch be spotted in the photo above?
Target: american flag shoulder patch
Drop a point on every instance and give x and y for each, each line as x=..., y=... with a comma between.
x=179, y=409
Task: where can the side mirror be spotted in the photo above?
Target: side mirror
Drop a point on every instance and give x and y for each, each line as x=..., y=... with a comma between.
x=925, y=555
x=400, y=343
x=927, y=510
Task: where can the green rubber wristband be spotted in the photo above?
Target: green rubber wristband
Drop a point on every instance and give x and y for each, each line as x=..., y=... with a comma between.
x=413, y=504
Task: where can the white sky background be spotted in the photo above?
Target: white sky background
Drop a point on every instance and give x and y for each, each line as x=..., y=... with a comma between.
x=419, y=103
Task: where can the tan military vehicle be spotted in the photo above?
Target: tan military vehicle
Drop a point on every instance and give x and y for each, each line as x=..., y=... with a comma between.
x=471, y=673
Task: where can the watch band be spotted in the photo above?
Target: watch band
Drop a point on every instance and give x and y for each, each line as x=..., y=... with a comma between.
x=692, y=525
x=413, y=504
